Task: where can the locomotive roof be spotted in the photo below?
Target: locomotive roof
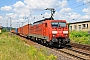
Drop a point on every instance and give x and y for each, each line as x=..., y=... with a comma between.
x=40, y=21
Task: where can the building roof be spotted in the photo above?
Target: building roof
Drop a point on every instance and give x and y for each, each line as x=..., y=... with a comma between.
x=0, y=27
x=80, y=22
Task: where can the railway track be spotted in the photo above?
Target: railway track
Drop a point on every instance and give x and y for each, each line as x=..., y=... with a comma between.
x=74, y=52
x=82, y=51
x=79, y=51
x=81, y=46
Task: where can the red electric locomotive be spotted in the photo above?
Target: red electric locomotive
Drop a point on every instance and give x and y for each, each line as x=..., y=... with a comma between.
x=50, y=31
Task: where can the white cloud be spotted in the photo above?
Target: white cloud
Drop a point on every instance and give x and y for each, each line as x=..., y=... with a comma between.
x=20, y=7
x=35, y=8
x=63, y=13
x=63, y=4
x=87, y=2
x=85, y=17
x=65, y=10
x=79, y=0
x=75, y=16
x=10, y=15
x=41, y=4
x=19, y=4
x=69, y=16
x=6, y=8
x=0, y=17
x=86, y=10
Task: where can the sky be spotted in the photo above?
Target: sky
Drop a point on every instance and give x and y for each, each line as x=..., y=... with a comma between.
x=22, y=12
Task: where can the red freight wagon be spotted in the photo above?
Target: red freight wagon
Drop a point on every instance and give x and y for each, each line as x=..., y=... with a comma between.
x=19, y=30
x=36, y=31
x=12, y=31
x=26, y=30
x=50, y=31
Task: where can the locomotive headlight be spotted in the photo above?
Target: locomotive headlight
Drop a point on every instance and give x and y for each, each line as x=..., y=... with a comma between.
x=54, y=32
x=65, y=32
x=53, y=35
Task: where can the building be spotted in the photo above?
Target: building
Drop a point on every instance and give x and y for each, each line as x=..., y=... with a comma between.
x=0, y=28
x=83, y=26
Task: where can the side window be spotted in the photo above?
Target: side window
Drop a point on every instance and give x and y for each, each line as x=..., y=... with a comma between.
x=85, y=26
x=70, y=28
x=45, y=24
x=75, y=27
x=79, y=27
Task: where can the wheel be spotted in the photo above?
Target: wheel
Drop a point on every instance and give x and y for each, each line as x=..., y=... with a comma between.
x=59, y=41
x=36, y=39
x=47, y=44
x=42, y=42
x=59, y=45
x=50, y=43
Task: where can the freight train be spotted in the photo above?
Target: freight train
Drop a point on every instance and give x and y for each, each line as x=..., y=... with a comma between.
x=46, y=32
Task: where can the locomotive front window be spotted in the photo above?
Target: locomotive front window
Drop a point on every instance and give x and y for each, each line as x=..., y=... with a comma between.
x=62, y=24
x=54, y=24
x=58, y=24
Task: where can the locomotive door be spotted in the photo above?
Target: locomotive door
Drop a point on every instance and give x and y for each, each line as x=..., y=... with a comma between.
x=44, y=29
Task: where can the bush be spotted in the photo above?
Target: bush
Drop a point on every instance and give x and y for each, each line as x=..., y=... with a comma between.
x=4, y=30
x=81, y=37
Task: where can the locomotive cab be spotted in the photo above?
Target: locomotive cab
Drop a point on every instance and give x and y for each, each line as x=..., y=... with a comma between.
x=59, y=32
x=50, y=32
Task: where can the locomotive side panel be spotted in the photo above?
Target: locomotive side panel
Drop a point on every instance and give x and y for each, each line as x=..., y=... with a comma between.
x=36, y=31
x=46, y=30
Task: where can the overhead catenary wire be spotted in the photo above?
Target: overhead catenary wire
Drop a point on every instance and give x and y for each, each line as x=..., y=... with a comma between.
x=83, y=4
x=80, y=4
x=74, y=3
x=71, y=1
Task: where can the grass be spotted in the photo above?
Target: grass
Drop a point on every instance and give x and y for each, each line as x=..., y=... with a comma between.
x=12, y=48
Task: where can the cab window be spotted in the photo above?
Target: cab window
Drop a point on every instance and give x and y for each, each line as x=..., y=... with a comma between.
x=58, y=24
